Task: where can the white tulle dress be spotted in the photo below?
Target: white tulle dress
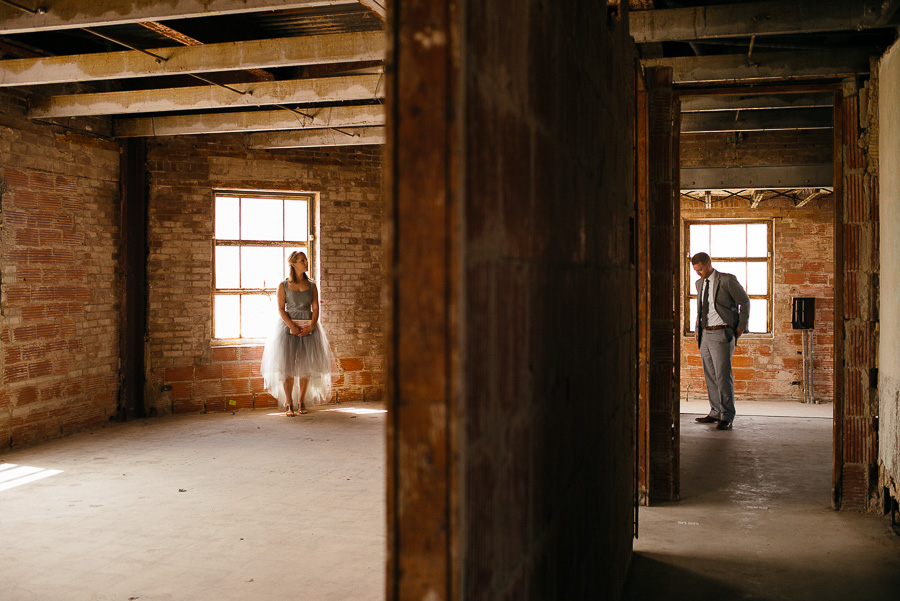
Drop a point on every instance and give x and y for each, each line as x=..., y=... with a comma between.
x=287, y=356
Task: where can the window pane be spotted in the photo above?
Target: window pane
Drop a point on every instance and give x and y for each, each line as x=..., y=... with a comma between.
x=759, y=316
x=738, y=270
x=227, y=218
x=757, y=240
x=258, y=315
x=261, y=266
x=757, y=278
x=295, y=220
x=228, y=267
x=693, y=314
x=699, y=234
x=262, y=219
x=728, y=240
x=693, y=278
x=227, y=312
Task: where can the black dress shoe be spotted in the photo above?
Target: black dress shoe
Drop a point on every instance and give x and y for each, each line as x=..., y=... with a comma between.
x=706, y=420
x=723, y=425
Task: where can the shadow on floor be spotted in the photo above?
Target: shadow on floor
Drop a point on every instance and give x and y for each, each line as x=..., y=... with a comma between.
x=657, y=576
x=755, y=523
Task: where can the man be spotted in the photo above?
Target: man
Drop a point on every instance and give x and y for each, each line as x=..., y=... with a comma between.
x=724, y=309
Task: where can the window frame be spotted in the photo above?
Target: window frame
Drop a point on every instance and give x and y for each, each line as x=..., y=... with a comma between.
x=690, y=296
x=311, y=244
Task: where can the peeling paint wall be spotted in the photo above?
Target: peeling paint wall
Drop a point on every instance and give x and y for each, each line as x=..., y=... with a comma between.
x=889, y=356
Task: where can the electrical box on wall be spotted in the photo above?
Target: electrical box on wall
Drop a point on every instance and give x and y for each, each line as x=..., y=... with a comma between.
x=803, y=316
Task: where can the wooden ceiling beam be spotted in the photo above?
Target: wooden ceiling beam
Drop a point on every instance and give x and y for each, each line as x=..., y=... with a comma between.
x=755, y=101
x=762, y=177
x=255, y=54
x=181, y=38
x=219, y=123
x=757, y=120
x=755, y=18
x=304, y=91
x=312, y=138
x=73, y=14
x=772, y=66
x=378, y=8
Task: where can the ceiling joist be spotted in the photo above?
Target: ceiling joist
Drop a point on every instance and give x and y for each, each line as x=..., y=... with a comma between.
x=757, y=120
x=757, y=177
x=309, y=138
x=74, y=14
x=219, y=123
x=378, y=7
x=756, y=18
x=765, y=66
x=270, y=93
x=256, y=54
x=691, y=104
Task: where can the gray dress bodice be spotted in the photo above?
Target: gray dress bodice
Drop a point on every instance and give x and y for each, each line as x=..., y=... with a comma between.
x=298, y=304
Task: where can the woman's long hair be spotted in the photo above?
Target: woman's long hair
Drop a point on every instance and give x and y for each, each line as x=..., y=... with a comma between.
x=294, y=278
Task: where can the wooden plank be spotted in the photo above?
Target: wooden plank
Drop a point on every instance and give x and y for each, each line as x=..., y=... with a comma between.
x=300, y=91
x=72, y=14
x=378, y=8
x=424, y=249
x=766, y=66
x=757, y=18
x=755, y=101
x=218, y=123
x=311, y=138
x=757, y=120
x=758, y=177
x=255, y=54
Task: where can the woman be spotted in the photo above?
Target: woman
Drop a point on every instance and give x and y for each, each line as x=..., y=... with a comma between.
x=296, y=363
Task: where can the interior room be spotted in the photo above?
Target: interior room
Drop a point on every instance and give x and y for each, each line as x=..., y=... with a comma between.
x=498, y=202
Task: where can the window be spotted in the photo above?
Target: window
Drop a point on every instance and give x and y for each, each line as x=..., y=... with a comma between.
x=743, y=249
x=255, y=233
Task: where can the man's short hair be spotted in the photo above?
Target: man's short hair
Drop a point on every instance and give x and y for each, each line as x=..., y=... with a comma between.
x=700, y=258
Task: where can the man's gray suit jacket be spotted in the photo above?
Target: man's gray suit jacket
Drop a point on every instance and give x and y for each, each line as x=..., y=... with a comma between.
x=731, y=302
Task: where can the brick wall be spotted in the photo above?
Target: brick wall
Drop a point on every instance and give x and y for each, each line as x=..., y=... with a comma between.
x=59, y=322
x=766, y=365
x=186, y=373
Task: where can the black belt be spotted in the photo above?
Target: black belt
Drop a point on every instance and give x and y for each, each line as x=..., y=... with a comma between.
x=715, y=327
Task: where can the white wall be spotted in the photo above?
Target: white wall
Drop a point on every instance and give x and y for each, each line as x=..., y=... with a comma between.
x=889, y=345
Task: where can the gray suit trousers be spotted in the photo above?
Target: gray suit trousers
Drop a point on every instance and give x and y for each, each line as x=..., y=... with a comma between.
x=716, y=350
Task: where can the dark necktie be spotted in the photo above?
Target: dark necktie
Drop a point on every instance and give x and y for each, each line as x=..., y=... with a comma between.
x=704, y=304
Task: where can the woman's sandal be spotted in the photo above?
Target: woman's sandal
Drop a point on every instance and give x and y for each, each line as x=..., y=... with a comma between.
x=289, y=412
x=303, y=410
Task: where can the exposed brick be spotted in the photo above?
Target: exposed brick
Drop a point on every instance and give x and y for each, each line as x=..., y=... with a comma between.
x=221, y=354
x=179, y=374
x=803, y=244
x=208, y=372
x=183, y=172
x=182, y=390
x=351, y=363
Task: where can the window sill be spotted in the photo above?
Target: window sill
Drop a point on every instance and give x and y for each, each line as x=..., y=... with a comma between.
x=219, y=342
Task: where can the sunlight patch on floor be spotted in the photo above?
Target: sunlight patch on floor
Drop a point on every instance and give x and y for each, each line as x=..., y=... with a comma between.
x=12, y=475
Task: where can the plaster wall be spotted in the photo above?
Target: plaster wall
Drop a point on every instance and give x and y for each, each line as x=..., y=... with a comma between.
x=889, y=356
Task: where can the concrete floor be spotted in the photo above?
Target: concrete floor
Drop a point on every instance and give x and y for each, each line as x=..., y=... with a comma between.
x=257, y=506
x=218, y=507
x=755, y=520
